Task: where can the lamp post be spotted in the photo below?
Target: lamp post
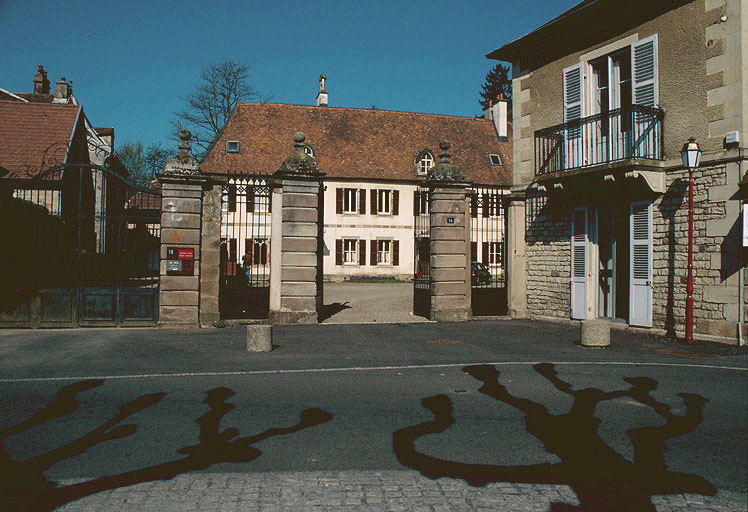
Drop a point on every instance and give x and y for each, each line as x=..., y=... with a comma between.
x=690, y=154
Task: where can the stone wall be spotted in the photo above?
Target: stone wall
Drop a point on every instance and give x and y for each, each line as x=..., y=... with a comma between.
x=210, y=247
x=548, y=253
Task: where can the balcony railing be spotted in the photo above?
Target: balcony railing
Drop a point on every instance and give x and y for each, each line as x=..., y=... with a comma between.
x=623, y=133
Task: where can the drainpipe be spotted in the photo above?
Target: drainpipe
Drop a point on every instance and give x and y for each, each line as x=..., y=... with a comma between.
x=741, y=249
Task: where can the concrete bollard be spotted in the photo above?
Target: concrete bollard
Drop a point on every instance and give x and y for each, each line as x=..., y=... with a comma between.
x=595, y=333
x=259, y=338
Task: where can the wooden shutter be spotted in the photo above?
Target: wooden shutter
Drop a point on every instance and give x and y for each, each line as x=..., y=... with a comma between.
x=362, y=201
x=573, y=110
x=645, y=92
x=373, y=254
x=232, y=198
x=374, y=201
x=338, y=200
x=486, y=204
x=640, y=266
x=484, y=254
x=473, y=251
x=395, y=202
x=579, y=264
x=338, y=251
x=250, y=198
x=396, y=252
x=362, y=252
x=644, y=63
x=474, y=206
x=416, y=209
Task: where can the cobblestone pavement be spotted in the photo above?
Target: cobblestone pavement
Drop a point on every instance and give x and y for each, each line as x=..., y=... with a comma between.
x=357, y=491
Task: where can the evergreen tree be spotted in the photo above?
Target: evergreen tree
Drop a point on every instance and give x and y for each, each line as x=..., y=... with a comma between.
x=497, y=82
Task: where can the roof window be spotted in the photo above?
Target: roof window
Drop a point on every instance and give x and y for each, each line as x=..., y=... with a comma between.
x=233, y=146
x=308, y=149
x=495, y=160
x=424, y=161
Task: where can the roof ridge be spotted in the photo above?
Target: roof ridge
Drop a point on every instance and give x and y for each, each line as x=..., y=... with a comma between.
x=360, y=109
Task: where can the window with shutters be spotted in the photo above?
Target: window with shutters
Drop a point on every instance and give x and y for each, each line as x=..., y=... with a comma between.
x=350, y=200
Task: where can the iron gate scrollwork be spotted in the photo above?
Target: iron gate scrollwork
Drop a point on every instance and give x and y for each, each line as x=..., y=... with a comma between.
x=244, y=290
x=422, y=252
x=84, y=249
x=488, y=251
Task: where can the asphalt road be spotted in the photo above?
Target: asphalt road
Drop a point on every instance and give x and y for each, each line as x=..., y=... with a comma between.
x=468, y=401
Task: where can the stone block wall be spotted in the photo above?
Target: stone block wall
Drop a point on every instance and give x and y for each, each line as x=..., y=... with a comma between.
x=450, y=236
x=210, y=255
x=548, y=256
x=181, y=206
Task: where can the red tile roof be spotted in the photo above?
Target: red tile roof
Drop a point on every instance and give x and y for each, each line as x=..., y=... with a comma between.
x=34, y=136
x=358, y=143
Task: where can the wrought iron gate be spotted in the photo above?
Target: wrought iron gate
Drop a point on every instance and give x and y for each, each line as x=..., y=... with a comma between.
x=422, y=252
x=488, y=251
x=83, y=249
x=245, y=247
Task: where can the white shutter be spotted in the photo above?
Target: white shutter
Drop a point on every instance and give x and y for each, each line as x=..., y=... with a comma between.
x=640, y=265
x=644, y=75
x=646, y=92
x=579, y=263
x=573, y=110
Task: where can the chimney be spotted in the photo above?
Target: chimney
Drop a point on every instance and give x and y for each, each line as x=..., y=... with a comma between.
x=499, y=114
x=41, y=84
x=322, y=94
x=63, y=90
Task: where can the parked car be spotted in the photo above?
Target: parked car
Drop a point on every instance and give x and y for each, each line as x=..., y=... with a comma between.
x=480, y=274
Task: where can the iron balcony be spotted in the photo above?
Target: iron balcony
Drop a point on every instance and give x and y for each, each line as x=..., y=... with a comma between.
x=619, y=134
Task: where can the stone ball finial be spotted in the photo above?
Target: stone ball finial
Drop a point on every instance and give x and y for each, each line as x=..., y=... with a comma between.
x=185, y=135
x=445, y=145
x=299, y=137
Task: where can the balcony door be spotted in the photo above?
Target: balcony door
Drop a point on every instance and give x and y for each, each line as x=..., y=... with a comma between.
x=611, y=101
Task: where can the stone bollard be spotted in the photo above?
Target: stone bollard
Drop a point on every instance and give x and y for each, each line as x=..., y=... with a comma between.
x=259, y=338
x=595, y=333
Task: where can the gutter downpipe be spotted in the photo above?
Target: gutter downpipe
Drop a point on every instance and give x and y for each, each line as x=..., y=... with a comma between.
x=741, y=250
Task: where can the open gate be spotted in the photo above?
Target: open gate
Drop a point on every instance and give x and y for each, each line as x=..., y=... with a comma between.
x=422, y=252
x=244, y=290
x=488, y=251
x=83, y=249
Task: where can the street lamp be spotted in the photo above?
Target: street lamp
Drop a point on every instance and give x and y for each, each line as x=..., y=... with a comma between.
x=691, y=154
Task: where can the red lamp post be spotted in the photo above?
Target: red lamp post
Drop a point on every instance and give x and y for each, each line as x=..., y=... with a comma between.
x=690, y=154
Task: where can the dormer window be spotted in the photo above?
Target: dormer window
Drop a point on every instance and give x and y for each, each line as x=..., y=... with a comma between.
x=308, y=150
x=495, y=160
x=424, y=161
x=233, y=146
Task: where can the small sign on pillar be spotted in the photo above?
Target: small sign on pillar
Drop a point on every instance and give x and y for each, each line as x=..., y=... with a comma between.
x=180, y=261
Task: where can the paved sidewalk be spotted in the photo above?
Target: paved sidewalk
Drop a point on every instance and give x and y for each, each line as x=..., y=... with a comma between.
x=375, y=491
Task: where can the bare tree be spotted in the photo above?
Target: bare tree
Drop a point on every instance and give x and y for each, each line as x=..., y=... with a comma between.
x=208, y=107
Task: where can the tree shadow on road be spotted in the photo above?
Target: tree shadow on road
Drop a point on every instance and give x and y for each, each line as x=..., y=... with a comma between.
x=24, y=487
x=602, y=478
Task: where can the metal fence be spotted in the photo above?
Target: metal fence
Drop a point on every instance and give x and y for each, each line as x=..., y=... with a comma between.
x=422, y=252
x=488, y=250
x=245, y=247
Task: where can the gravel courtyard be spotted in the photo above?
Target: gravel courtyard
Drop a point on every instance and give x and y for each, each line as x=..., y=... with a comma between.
x=354, y=303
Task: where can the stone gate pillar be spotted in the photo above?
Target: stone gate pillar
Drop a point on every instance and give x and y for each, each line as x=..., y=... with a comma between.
x=516, y=261
x=181, y=208
x=296, y=239
x=450, y=241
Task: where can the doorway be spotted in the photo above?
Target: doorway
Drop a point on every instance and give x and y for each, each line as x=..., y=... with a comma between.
x=612, y=221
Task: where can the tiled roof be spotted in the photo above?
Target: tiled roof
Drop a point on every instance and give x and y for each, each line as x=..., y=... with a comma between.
x=358, y=143
x=34, y=135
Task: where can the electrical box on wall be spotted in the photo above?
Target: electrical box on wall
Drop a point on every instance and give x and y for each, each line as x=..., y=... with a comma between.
x=180, y=262
x=732, y=138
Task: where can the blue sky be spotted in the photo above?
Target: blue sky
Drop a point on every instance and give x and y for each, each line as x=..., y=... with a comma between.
x=131, y=61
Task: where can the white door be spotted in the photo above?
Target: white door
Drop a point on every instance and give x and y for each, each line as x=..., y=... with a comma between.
x=579, y=242
x=640, y=268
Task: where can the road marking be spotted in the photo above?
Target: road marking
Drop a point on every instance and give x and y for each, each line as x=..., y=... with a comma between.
x=370, y=368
